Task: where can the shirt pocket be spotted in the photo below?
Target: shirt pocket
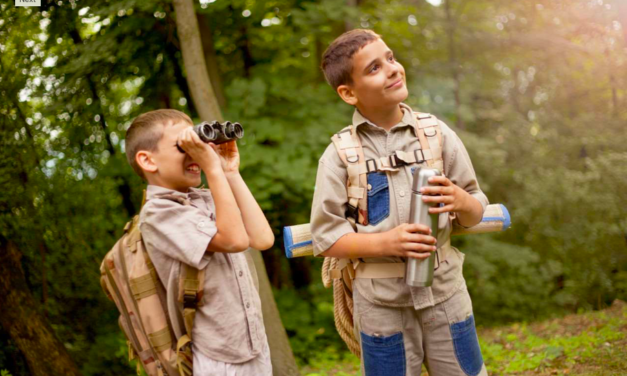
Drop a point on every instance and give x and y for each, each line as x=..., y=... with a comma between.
x=378, y=197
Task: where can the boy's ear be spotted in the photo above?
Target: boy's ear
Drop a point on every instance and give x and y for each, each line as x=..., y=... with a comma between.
x=145, y=161
x=347, y=94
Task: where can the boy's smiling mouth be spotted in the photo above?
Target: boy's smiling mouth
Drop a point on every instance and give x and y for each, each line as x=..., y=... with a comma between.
x=193, y=168
x=395, y=84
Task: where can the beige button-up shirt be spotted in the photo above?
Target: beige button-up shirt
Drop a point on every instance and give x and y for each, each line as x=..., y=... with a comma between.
x=329, y=224
x=228, y=326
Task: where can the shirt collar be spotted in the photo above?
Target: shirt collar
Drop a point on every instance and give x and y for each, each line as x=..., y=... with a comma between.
x=153, y=191
x=408, y=119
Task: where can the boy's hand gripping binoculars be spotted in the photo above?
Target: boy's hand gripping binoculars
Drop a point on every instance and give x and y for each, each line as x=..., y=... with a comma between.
x=217, y=133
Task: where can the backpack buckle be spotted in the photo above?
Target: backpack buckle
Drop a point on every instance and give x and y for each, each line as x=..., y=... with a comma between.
x=395, y=161
x=422, y=158
x=190, y=301
x=374, y=165
x=352, y=212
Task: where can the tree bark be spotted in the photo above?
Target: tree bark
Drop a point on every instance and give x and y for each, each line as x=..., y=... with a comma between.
x=301, y=272
x=348, y=23
x=206, y=37
x=45, y=355
x=244, y=46
x=283, y=362
x=194, y=61
x=453, y=62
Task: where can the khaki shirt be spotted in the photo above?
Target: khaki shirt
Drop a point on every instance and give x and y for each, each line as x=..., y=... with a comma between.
x=329, y=224
x=228, y=326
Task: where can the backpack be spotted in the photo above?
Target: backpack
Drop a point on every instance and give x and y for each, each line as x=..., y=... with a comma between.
x=128, y=278
x=340, y=273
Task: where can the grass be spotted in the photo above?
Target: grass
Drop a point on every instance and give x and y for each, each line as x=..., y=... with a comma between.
x=586, y=344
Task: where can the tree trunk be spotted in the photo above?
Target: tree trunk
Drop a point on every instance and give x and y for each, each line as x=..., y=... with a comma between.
x=44, y=353
x=210, y=58
x=348, y=23
x=283, y=362
x=244, y=46
x=301, y=272
x=454, y=64
x=194, y=61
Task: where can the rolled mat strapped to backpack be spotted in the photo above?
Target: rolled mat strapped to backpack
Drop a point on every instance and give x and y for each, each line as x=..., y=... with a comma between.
x=298, y=242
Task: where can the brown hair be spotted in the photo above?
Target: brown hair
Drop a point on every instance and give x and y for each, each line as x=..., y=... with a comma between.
x=144, y=133
x=337, y=62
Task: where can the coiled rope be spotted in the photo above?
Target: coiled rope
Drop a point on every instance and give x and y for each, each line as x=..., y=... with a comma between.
x=342, y=305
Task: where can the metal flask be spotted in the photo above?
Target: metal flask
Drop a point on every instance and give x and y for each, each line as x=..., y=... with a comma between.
x=419, y=273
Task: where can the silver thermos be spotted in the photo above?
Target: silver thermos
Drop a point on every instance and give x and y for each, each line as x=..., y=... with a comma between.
x=419, y=273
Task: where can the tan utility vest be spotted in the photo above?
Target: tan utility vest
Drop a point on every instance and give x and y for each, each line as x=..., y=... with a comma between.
x=341, y=272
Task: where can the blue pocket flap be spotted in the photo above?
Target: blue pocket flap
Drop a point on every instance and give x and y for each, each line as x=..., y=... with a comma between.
x=377, y=182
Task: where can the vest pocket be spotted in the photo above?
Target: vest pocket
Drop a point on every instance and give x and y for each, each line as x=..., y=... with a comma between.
x=466, y=346
x=383, y=356
x=378, y=197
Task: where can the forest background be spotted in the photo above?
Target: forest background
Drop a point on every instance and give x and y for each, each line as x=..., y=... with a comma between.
x=536, y=89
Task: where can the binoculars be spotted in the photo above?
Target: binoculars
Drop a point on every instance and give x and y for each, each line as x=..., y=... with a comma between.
x=217, y=133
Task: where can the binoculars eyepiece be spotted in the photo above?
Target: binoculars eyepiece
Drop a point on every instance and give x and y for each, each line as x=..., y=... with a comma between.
x=217, y=133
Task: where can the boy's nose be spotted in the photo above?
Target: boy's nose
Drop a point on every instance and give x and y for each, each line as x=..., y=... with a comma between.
x=393, y=69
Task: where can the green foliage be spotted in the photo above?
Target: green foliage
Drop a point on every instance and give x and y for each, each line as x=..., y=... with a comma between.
x=308, y=319
x=590, y=339
x=591, y=344
x=510, y=279
x=536, y=90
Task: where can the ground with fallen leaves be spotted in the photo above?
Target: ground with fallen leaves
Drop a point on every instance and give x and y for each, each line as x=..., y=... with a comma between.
x=586, y=344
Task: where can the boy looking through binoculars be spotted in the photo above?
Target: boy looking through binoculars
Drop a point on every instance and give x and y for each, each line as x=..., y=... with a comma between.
x=207, y=229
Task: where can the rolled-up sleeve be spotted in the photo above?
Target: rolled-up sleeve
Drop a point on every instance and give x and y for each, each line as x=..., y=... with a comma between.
x=328, y=220
x=183, y=232
x=458, y=165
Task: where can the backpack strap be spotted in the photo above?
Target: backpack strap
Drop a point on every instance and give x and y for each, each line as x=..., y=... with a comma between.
x=191, y=285
x=191, y=281
x=348, y=146
x=429, y=134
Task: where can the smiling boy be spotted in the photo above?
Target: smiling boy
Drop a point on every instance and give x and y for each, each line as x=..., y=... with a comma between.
x=399, y=327
x=207, y=229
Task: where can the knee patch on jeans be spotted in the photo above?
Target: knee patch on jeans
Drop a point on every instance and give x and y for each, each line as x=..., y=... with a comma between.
x=466, y=346
x=383, y=356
